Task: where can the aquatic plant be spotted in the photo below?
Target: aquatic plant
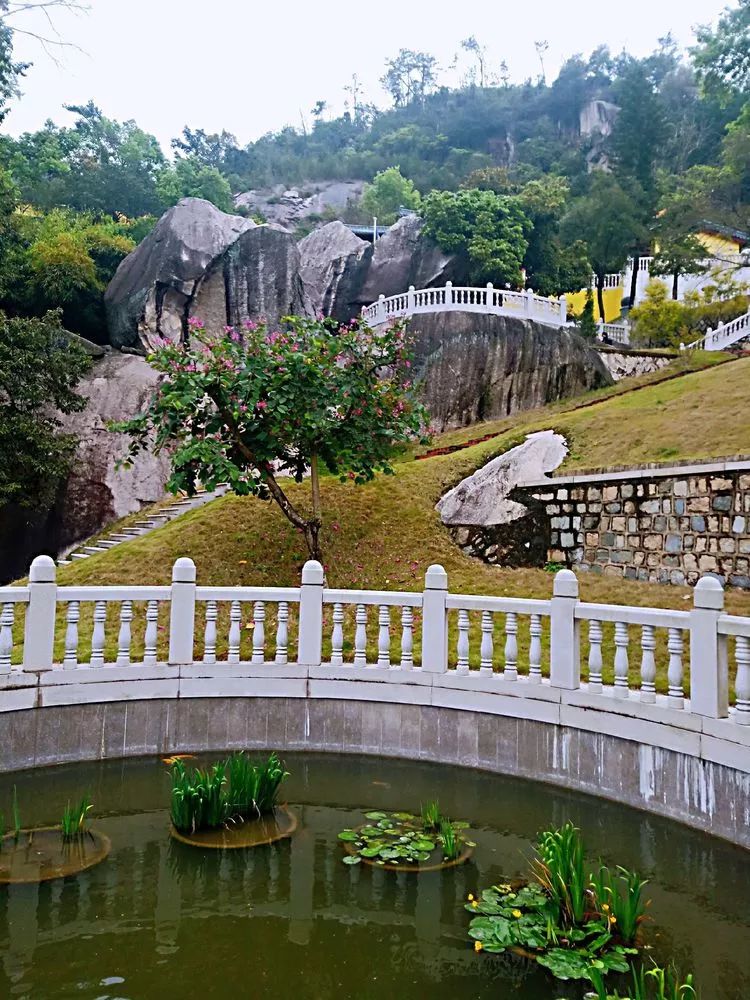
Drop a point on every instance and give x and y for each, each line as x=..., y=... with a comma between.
x=253, y=788
x=654, y=984
x=198, y=799
x=560, y=870
x=619, y=899
x=73, y=822
x=449, y=840
x=400, y=838
x=431, y=816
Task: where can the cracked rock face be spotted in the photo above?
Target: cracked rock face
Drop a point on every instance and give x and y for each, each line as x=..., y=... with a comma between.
x=483, y=499
x=334, y=264
x=151, y=293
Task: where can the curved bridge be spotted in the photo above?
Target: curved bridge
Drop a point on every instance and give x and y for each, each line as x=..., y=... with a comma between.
x=456, y=298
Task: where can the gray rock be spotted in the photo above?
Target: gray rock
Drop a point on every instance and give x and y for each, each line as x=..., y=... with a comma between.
x=476, y=367
x=405, y=256
x=334, y=263
x=152, y=289
x=482, y=499
x=291, y=206
x=624, y=365
x=257, y=276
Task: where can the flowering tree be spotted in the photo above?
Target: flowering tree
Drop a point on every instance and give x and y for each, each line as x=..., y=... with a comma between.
x=253, y=406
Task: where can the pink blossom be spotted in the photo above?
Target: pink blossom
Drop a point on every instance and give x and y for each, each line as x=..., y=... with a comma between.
x=195, y=323
x=261, y=404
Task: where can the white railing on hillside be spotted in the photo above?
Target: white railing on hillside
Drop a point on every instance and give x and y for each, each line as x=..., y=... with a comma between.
x=62, y=645
x=455, y=298
x=618, y=333
x=724, y=335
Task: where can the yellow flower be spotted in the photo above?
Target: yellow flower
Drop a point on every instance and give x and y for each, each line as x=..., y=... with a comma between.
x=605, y=907
x=474, y=903
x=613, y=920
x=478, y=946
x=470, y=897
x=517, y=914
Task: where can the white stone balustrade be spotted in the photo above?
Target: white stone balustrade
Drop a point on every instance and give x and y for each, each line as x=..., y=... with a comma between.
x=657, y=676
x=457, y=298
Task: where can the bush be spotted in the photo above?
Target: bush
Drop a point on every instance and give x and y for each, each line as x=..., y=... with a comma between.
x=389, y=192
x=660, y=321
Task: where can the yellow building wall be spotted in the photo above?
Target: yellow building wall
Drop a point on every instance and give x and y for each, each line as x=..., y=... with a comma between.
x=612, y=303
x=718, y=246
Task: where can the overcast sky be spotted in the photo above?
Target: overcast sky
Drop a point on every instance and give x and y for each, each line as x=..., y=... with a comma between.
x=251, y=67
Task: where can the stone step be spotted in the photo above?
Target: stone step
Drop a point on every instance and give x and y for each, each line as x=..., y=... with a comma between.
x=92, y=549
x=132, y=532
x=64, y=562
x=78, y=555
x=108, y=543
x=119, y=537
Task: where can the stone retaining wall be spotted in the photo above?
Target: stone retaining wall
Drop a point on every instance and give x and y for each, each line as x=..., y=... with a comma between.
x=659, y=525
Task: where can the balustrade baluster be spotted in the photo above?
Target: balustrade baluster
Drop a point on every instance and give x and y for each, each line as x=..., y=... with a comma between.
x=259, y=632
x=209, y=636
x=282, y=633
x=462, y=664
x=151, y=634
x=622, y=689
x=487, y=648
x=384, y=636
x=235, y=616
x=675, y=671
x=535, y=650
x=595, y=657
x=648, y=665
x=360, y=637
x=124, y=636
x=337, y=639
x=511, y=647
x=72, y=616
x=7, y=618
x=98, y=636
x=742, y=681
x=407, y=638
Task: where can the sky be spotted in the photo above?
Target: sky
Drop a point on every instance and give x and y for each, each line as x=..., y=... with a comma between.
x=251, y=67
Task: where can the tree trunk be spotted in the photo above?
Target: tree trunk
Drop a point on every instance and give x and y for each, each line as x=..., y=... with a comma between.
x=634, y=278
x=313, y=526
x=676, y=285
x=600, y=296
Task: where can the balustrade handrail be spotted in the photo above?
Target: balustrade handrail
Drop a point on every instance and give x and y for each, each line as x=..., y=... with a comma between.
x=724, y=335
x=464, y=298
x=466, y=640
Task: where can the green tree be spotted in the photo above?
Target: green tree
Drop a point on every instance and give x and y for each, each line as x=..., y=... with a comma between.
x=389, y=192
x=639, y=130
x=410, y=77
x=487, y=231
x=249, y=405
x=658, y=321
x=722, y=55
x=10, y=71
x=678, y=249
x=191, y=179
x=40, y=367
x=551, y=268
x=608, y=221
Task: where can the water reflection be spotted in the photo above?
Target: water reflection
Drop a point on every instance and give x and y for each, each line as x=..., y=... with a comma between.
x=161, y=919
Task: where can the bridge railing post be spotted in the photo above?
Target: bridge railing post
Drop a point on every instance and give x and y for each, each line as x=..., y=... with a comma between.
x=490, y=295
x=381, y=310
x=529, y=304
x=563, y=310
x=410, y=299
x=449, y=293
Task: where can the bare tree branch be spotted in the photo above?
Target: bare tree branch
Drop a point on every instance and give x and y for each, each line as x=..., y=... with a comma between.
x=12, y=8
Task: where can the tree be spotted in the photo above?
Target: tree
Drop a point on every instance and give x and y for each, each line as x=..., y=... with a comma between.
x=608, y=221
x=658, y=321
x=10, y=71
x=722, y=55
x=678, y=249
x=40, y=367
x=479, y=52
x=411, y=76
x=639, y=130
x=252, y=405
x=389, y=192
x=206, y=149
x=488, y=231
x=551, y=268
x=189, y=178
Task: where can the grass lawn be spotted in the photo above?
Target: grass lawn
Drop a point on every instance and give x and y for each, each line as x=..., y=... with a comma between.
x=385, y=534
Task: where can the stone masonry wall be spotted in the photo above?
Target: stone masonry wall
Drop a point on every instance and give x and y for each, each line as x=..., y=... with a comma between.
x=659, y=525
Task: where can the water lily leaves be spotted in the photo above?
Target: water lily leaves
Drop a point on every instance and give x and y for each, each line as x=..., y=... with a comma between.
x=370, y=831
x=376, y=815
x=564, y=963
x=424, y=845
x=352, y=859
x=403, y=817
x=369, y=852
x=349, y=836
x=397, y=837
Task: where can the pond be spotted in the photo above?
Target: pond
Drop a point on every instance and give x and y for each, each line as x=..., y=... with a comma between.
x=159, y=919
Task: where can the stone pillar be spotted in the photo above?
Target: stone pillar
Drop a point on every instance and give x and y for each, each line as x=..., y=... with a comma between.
x=39, y=630
x=182, y=613
x=435, y=621
x=709, y=670
x=311, y=614
x=565, y=651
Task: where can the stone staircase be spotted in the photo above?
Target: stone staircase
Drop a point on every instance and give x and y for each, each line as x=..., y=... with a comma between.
x=162, y=516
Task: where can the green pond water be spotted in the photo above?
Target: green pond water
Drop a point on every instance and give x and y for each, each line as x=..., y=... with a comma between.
x=160, y=921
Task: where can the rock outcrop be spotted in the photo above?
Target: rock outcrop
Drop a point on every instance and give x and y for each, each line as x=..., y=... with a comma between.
x=96, y=491
x=257, y=276
x=624, y=364
x=405, y=256
x=290, y=206
x=334, y=264
x=475, y=367
x=483, y=498
x=152, y=291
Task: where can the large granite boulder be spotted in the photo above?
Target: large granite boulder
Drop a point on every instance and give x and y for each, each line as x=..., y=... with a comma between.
x=483, y=499
x=405, y=256
x=334, y=265
x=289, y=207
x=473, y=367
x=257, y=276
x=152, y=290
